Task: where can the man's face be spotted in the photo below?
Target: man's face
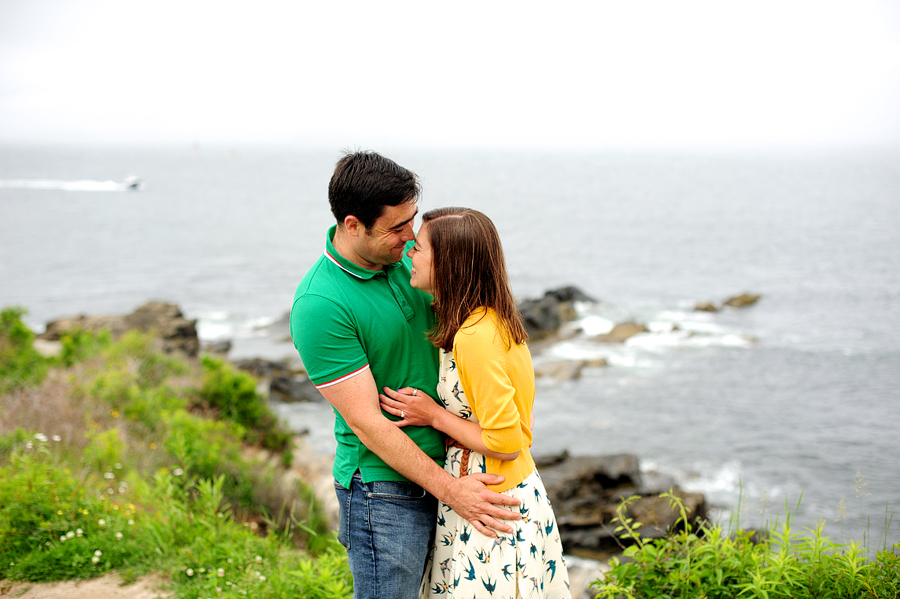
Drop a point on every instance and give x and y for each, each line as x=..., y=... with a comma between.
x=384, y=242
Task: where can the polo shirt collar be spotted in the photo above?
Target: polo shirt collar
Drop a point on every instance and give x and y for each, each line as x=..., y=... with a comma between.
x=354, y=269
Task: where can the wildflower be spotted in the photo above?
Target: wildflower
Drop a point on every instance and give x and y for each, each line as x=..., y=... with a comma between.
x=101, y=522
x=56, y=438
x=58, y=512
x=189, y=572
x=29, y=445
x=109, y=475
x=177, y=472
x=118, y=466
x=41, y=437
x=153, y=446
x=70, y=535
x=262, y=578
x=95, y=559
x=62, y=539
x=111, y=491
x=221, y=572
x=79, y=532
x=229, y=560
x=119, y=536
x=202, y=570
x=114, y=413
x=258, y=558
x=131, y=523
x=98, y=553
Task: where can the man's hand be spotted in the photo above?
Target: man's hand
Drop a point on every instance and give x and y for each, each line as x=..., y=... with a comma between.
x=471, y=499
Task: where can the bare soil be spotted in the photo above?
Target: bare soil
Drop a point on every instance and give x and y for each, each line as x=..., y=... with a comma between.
x=105, y=587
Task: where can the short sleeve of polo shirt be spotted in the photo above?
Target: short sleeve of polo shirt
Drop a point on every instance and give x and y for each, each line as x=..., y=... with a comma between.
x=324, y=335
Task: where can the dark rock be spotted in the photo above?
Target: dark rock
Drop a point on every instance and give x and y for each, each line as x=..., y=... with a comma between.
x=175, y=332
x=621, y=332
x=218, y=347
x=293, y=389
x=544, y=316
x=743, y=300
x=263, y=369
x=587, y=491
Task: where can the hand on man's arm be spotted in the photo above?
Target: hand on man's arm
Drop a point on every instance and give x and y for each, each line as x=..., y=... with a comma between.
x=356, y=399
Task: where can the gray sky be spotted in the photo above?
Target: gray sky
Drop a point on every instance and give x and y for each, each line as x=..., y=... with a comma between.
x=485, y=73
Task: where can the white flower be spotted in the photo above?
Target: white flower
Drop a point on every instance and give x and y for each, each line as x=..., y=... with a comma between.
x=101, y=522
x=79, y=532
x=98, y=553
x=262, y=578
x=221, y=572
x=56, y=438
x=70, y=535
x=177, y=472
x=29, y=445
x=109, y=475
x=62, y=539
x=41, y=437
x=95, y=559
x=131, y=523
x=189, y=572
x=119, y=536
x=258, y=558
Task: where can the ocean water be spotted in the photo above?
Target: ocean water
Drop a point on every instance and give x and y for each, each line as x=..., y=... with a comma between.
x=754, y=407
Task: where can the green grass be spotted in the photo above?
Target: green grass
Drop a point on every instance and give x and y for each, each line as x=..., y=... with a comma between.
x=703, y=560
x=116, y=457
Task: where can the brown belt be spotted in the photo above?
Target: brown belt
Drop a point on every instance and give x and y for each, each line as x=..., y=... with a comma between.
x=464, y=462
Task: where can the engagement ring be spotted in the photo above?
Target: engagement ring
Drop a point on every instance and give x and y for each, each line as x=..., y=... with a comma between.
x=402, y=415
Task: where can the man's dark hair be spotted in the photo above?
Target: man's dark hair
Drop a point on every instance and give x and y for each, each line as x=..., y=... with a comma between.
x=364, y=183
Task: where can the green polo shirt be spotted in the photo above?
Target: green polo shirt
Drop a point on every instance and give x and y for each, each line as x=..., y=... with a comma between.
x=346, y=319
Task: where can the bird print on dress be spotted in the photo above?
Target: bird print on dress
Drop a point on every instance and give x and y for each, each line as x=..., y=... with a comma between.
x=463, y=562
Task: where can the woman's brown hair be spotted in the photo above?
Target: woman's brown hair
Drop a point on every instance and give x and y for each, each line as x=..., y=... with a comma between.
x=468, y=272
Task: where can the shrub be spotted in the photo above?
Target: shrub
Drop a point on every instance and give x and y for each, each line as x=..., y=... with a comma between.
x=20, y=364
x=234, y=395
x=708, y=562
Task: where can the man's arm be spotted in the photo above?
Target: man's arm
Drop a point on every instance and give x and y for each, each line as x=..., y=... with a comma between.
x=356, y=399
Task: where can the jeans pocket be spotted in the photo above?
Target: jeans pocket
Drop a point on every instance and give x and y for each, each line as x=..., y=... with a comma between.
x=343, y=496
x=396, y=490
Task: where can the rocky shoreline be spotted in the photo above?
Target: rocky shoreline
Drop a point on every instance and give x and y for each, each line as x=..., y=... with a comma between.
x=585, y=490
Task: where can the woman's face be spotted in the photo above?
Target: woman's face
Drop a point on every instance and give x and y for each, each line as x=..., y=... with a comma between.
x=421, y=262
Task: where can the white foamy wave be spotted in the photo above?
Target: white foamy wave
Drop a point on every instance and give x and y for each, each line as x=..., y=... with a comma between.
x=595, y=325
x=54, y=185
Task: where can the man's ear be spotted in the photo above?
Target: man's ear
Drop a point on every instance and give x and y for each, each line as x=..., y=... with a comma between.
x=353, y=225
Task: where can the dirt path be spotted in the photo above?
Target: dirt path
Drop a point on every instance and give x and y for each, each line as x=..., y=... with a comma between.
x=105, y=587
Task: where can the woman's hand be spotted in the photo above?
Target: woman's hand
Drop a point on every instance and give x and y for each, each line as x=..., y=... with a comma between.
x=413, y=406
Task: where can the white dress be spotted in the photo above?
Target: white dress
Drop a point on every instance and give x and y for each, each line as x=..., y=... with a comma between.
x=464, y=563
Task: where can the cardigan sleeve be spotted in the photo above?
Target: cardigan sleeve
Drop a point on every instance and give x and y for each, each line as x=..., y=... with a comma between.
x=482, y=361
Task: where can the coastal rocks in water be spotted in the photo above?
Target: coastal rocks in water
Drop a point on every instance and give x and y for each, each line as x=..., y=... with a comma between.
x=176, y=333
x=738, y=301
x=621, y=332
x=706, y=307
x=568, y=370
x=742, y=300
x=286, y=383
x=544, y=316
x=290, y=389
x=587, y=490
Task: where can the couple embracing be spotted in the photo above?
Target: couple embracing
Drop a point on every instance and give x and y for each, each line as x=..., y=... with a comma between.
x=438, y=497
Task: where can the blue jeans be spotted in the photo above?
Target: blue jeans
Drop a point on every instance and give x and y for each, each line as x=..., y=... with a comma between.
x=387, y=529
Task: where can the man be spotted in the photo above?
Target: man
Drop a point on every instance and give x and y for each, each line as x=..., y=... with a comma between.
x=359, y=327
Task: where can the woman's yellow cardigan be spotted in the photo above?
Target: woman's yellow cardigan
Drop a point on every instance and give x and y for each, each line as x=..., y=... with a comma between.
x=499, y=384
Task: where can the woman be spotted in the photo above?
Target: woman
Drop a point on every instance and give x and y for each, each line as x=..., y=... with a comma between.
x=487, y=391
